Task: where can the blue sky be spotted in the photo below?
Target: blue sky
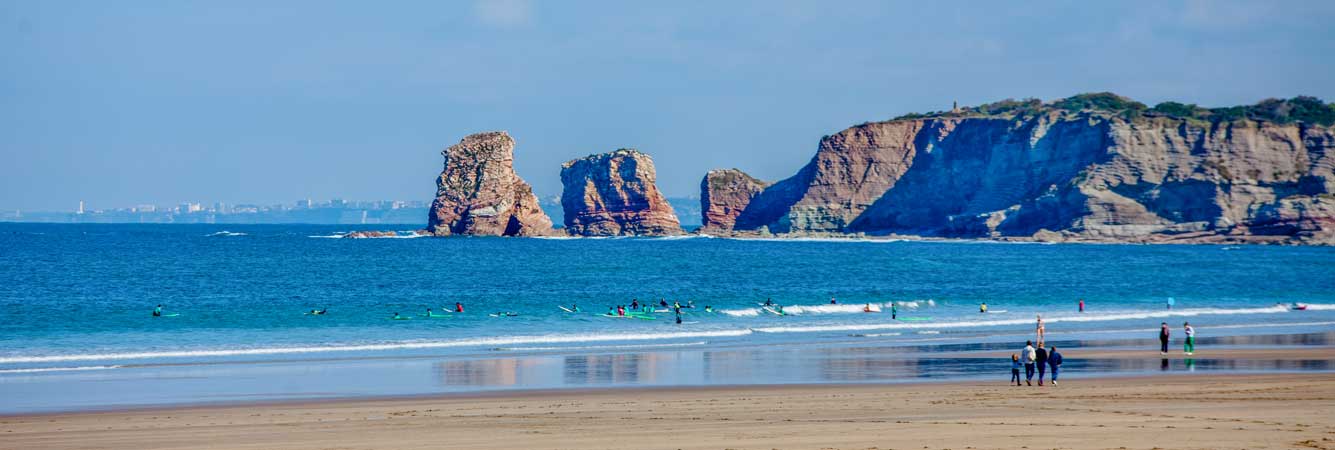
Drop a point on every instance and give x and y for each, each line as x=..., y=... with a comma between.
x=121, y=103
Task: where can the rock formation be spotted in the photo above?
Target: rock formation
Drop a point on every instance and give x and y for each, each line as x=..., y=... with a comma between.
x=1090, y=167
x=724, y=194
x=614, y=194
x=478, y=192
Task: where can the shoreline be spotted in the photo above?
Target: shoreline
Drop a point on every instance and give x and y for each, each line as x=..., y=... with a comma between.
x=1179, y=411
x=1273, y=354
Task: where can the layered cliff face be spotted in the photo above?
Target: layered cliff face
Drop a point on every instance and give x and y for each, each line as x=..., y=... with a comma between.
x=724, y=194
x=1064, y=175
x=478, y=192
x=615, y=194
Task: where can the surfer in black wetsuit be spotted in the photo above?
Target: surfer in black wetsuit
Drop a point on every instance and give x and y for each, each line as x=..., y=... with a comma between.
x=634, y=304
x=769, y=302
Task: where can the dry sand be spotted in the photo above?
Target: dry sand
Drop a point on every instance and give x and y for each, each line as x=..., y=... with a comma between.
x=1164, y=411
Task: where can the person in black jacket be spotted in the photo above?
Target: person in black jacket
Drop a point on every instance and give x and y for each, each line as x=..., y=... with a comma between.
x=1163, y=338
x=1041, y=359
x=1054, y=361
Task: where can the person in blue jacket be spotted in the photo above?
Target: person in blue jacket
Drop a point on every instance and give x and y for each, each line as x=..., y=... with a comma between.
x=1054, y=362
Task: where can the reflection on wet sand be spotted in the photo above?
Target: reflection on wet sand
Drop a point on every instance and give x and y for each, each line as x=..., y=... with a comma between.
x=822, y=365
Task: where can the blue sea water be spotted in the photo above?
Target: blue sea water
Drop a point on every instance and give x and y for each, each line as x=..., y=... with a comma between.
x=78, y=298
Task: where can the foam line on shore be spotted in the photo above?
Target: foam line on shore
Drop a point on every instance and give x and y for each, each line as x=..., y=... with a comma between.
x=494, y=341
x=502, y=341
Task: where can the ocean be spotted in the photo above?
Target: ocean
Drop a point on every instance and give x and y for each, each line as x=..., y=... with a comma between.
x=76, y=330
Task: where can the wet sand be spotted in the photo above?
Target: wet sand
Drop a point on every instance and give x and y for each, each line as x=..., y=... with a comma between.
x=1163, y=411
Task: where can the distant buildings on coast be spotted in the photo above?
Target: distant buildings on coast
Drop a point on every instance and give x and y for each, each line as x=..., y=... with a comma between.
x=335, y=211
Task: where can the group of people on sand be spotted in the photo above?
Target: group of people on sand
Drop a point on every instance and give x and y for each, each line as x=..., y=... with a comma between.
x=1031, y=358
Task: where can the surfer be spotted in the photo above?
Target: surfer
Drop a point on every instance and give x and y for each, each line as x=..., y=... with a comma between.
x=574, y=307
x=397, y=316
x=894, y=311
x=1171, y=301
x=982, y=308
x=428, y=312
x=621, y=310
x=769, y=302
x=634, y=303
x=662, y=302
x=832, y=302
x=1082, y=305
x=458, y=307
x=867, y=308
x=709, y=309
x=157, y=312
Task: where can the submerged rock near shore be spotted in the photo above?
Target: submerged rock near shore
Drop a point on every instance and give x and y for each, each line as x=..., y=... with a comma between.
x=478, y=192
x=615, y=194
x=1094, y=167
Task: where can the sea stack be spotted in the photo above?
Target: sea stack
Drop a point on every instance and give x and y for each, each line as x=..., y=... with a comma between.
x=724, y=194
x=478, y=192
x=614, y=194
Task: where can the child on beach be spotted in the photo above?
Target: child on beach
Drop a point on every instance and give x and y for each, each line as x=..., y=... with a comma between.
x=1015, y=368
x=1163, y=338
x=1055, y=362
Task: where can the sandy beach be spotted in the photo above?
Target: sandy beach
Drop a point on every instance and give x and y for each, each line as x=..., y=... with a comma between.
x=1181, y=411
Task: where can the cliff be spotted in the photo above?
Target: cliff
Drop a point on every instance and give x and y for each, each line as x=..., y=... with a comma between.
x=478, y=192
x=1091, y=167
x=614, y=194
x=724, y=194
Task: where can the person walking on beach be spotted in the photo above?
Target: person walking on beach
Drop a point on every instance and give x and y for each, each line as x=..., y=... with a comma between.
x=1171, y=301
x=1039, y=329
x=894, y=311
x=1028, y=356
x=1054, y=361
x=1041, y=360
x=1163, y=338
x=1189, y=346
x=1015, y=368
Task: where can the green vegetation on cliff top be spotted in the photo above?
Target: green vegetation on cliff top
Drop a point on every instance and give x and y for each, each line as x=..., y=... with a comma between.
x=1310, y=110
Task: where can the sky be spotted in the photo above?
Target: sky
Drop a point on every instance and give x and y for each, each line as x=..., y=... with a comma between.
x=139, y=102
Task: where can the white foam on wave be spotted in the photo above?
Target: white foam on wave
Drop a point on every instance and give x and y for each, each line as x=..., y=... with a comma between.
x=828, y=308
x=1320, y=307
x=414, y=345
x=600, y=347
x=58, y=369
x=326, y=236
x=1087, y=317
x=746, y=312
x=226, y=233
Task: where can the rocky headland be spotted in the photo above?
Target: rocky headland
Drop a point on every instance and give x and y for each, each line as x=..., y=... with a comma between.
x=478, y=192
x=615, y=194
x=1094, y=167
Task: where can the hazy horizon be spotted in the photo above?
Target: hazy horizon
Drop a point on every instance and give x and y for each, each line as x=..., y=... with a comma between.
x=127, y=103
